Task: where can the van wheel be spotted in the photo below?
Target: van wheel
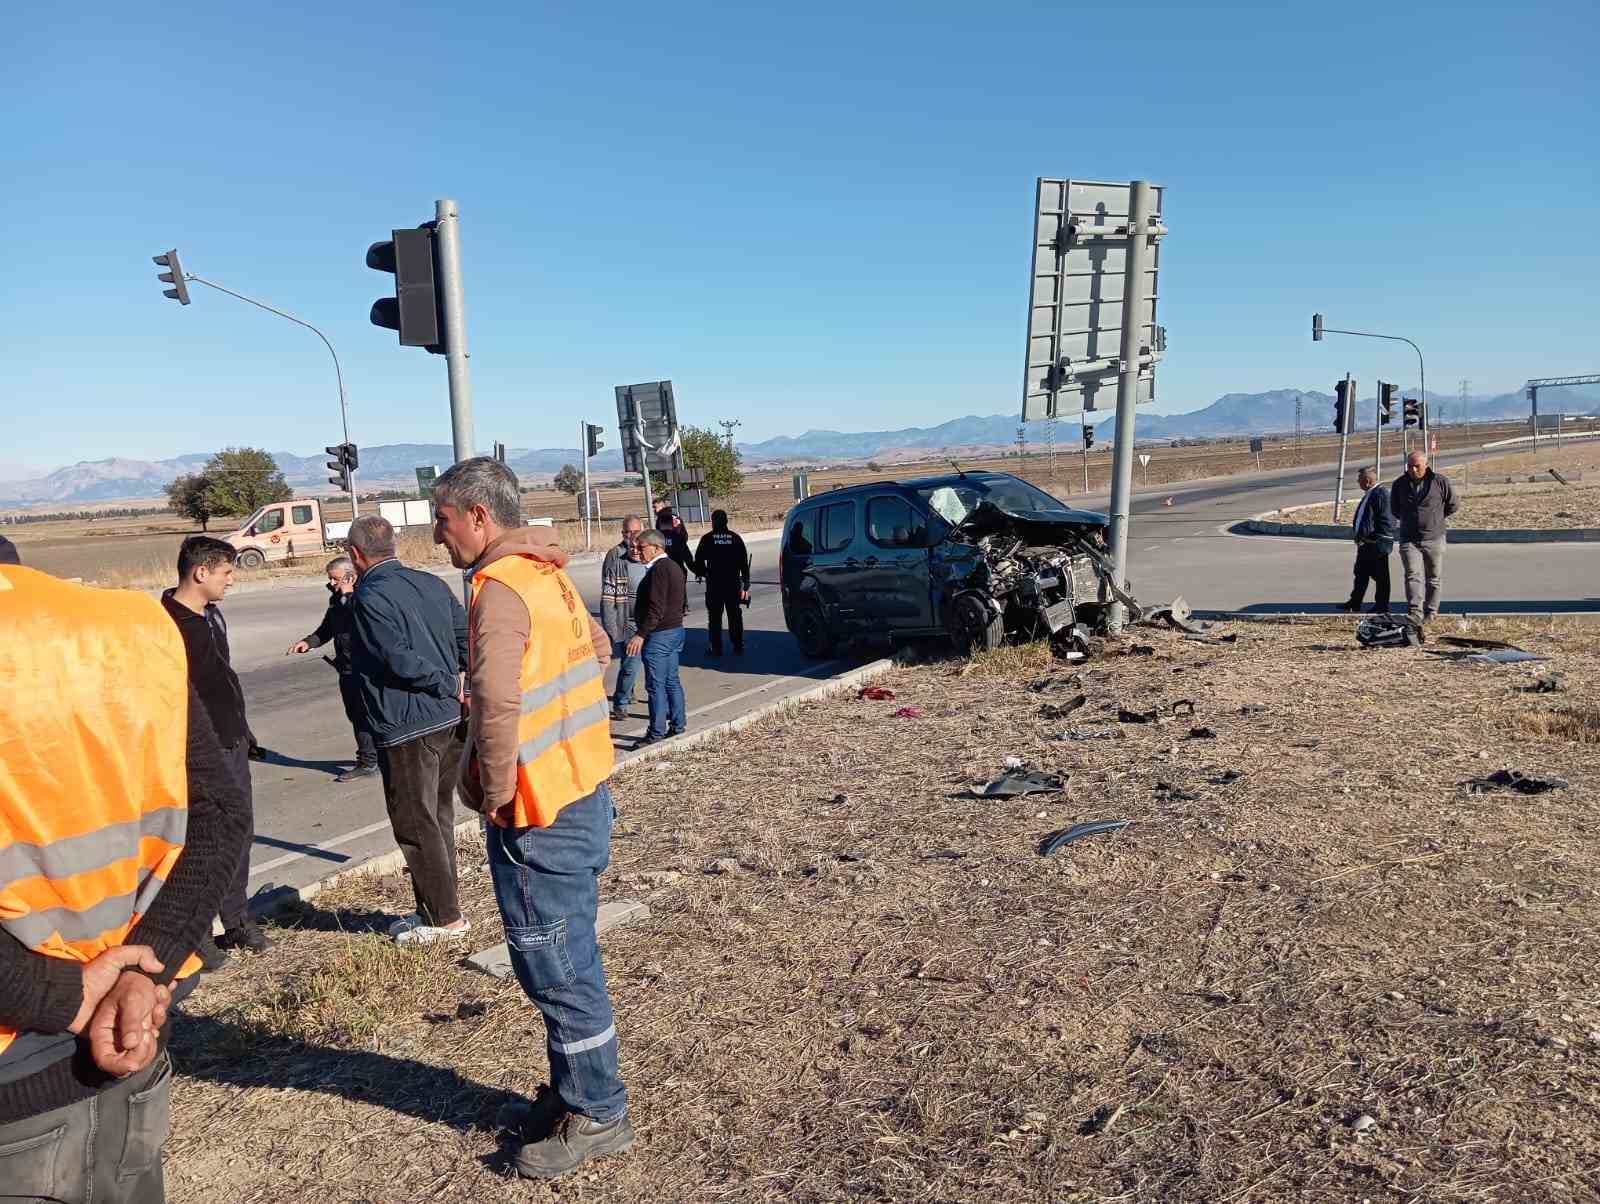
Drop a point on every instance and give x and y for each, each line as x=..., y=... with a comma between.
x=973, y=628
x=251, y=559
x=810, y=632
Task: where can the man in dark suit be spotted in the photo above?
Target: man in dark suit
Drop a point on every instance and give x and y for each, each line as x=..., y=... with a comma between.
x=1373, y=529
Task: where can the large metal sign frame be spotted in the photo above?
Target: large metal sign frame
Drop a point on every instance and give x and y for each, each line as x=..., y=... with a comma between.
x=647, y=420
x=1076, y=294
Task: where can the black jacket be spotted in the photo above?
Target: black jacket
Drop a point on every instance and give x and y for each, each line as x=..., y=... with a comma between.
x=1420, y=507
x=1376, y=517
x=409, y=650
x=662, y=599
x=721, y=559
x=677, y=543
x=337, y=625
x=205, y=639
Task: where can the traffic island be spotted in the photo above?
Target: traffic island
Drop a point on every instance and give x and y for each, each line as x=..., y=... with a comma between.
x=1318, y=955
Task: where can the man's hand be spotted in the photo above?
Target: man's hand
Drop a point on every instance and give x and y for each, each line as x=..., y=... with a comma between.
x=125, y=1031
x=101, y=974
x=635, y=645
x=503, y=815
x=297, y=647
x=461, y=688
x=744, y=595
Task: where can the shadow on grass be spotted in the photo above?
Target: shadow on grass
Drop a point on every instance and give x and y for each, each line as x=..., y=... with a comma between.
x=308, y=917
x=235, y=1055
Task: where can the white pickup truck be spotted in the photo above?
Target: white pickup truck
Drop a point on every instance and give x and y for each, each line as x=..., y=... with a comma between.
x=295, y=528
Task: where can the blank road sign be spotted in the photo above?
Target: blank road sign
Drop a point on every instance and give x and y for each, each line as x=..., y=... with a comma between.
x=1075, y=299
x=652, y=405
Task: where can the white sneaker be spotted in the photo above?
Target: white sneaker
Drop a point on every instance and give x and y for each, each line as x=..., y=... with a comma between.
x=412, y=931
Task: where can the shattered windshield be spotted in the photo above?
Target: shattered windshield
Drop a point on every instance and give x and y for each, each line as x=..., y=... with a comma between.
x=957, y=499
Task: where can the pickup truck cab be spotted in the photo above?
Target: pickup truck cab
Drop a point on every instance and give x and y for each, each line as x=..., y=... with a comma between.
x=283, y=529
x=975, y=556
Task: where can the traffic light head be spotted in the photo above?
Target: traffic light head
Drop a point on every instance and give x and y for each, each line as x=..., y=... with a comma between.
x=414, y=309
x=592, y=439
x=342, y=466
x=1316, y=328
x=179, y=291
x=1385, y=402
x=1088, y=436
x=1413, y=411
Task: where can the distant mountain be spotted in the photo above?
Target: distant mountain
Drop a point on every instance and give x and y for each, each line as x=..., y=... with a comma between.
x=392, y=465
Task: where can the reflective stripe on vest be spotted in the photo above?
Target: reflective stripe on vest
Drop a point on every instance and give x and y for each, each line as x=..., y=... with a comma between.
x=564, y=745
x=93, y=782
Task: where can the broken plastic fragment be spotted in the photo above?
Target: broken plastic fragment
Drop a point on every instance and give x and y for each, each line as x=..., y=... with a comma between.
x=1126, y=716
x=1550, y=683
x=1051, y=710
x=1226, y=777
x=1183, y=706
x=908, y=713
x=1202, y=733
x=1091, y=733
x=1067, y=835
x=1010, y=785
x=1515, y=779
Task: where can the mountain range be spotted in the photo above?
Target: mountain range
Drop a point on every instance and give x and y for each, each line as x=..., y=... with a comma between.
x=392, y=465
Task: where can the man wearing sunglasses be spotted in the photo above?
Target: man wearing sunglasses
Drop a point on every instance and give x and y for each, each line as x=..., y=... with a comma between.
x=336, y=626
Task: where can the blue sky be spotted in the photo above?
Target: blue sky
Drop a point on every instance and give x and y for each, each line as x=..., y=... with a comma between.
x=806, y=216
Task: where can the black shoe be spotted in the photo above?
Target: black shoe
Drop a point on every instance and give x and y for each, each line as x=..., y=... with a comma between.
x=247, y=936
x=647, y=738
x=618, y=714
x=356, y=772
x=1349, y=608
x=575, y=1140
x=212, y=958
x=675, y=731
x=532, y=1120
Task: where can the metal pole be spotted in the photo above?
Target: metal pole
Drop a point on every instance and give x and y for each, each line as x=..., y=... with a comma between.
x=1377, y=425
x=447, y=235
x=1133, y=298
x=644, y=469
x=1533, y=402
x=1086, y=469
x=1344, y=443
x=588, y=499
x=338, y=373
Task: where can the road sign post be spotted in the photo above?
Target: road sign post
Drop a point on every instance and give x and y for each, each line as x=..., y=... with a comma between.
x=1144, y=468
x=1256, y=446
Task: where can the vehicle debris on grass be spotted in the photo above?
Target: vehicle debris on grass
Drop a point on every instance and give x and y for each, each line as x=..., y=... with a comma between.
x=1515, y=779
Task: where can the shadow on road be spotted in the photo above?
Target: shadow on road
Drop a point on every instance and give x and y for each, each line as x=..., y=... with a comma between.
x=331, y=768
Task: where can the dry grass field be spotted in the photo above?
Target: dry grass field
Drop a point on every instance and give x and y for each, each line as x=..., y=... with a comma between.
x=1318, y=966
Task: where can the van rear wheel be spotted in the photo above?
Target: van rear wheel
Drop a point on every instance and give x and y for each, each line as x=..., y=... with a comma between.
x=250, y=558
x=810, y=631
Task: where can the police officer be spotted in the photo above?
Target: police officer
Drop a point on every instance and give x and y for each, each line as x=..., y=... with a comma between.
x=721, y=559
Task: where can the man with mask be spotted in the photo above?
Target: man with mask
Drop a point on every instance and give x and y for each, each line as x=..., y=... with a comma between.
x=336, y=626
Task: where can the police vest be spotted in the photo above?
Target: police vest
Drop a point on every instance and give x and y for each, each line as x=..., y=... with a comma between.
x=93, y=763
x=564, y=745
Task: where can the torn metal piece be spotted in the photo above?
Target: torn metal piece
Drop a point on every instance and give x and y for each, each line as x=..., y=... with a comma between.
x=1226, y=778
x=1462, y=641
x=1201, y=733
x=1183, y=706
x=1011, y=785
x=1231, y=638
x=1515, y=779
x=1051, y=710
x=1253, y=708
x=1167, y=792
x=1497, y=656
x=1067, y=835
x=1091, y=733
x=1139, y=650
x=1550, y=683
x=1126, y=716
x=1056, y=681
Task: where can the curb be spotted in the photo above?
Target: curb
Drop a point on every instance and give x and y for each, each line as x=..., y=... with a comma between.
x=386, y=863
x=1263, y=526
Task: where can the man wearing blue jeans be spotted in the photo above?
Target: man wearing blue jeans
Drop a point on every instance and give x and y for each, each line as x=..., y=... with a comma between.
x=538, y=753
x=658, y=612
x=620, y=574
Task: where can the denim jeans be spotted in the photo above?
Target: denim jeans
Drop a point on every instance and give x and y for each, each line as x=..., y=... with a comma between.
x=627, y=674
x=546, y=883
x=667, y=707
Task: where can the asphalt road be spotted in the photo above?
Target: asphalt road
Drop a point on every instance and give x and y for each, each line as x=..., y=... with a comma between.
x=307, y=825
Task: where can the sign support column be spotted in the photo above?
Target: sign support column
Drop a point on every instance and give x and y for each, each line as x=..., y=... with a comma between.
x=447, y=235
x=1133, y=288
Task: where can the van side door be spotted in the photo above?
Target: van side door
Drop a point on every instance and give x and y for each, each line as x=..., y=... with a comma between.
x=895, y=564
x=834, y=562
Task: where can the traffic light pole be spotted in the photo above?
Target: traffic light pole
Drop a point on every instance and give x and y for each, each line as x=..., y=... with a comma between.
x=588, y=498
x=1377, y=425
x=338, y=373
x=447, y=233
x=1422, y=372
x=1346, y=420
x=1133, y=293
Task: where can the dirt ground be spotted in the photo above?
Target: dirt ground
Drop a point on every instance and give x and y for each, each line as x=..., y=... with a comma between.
x=1341, y=976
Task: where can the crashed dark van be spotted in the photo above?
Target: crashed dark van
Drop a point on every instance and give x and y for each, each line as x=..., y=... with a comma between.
x=975, y=556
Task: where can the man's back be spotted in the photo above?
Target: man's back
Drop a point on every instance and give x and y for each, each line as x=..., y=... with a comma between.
x=409, y=651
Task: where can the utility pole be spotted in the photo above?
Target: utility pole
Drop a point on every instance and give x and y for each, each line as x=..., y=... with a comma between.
x=1022, y=441
x=1466, y=410
x=1136, y=265
x=727, y=426
x=1299, y=404
x=453, y=306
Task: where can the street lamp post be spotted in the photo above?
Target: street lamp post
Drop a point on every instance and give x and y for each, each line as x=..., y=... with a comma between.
x=1318, y=330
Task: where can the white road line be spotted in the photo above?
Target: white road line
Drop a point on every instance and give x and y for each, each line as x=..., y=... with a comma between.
x=334, y=843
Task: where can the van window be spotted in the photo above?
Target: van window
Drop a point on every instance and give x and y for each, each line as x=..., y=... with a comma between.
x=300, y=515
x=836, y=527
x=798, y=542
x=892, y=523
x=270, y=520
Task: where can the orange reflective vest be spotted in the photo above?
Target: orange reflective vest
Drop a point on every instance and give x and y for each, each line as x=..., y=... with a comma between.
x=564, y=745
x=93, y=775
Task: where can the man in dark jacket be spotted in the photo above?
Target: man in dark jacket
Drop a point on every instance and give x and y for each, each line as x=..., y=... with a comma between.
x=677, y=535
x=336, y=626
x=409, y=654
x=658, y=636
x=1373, y=530
x=722, y=560
x=1422, y=500
x=205, y=571
x=8, y=552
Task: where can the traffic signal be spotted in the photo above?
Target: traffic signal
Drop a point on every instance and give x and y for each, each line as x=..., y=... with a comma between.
x=591, y=435
x=1088, y=436
x=499, y=451
x=343, y=465
x=1344, y=406
x=1413, y=411
x=179, y=291
x=1316, y=328
x=1385, y=402
x=414, y=309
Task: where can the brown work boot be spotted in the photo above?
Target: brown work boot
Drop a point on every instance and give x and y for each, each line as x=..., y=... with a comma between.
x=530, y=1120
x=576, y=1139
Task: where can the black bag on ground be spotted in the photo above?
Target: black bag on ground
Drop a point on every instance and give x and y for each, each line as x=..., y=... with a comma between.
x=1382, y=631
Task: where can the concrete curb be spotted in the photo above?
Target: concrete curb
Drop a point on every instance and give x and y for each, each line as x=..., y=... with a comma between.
x=1261, y=525
x=387, y=863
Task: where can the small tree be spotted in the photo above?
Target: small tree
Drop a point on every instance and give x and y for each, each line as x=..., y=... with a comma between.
x=569, y=480
x=874, y=466
x=188, y=497
x=711, y=455
x=243, y=479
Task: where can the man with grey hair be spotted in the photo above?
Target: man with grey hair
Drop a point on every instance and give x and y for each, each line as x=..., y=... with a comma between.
x=408, y=653
x=1372, y=528
x=620, y=574
x=658, y=612
x=336, y=626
